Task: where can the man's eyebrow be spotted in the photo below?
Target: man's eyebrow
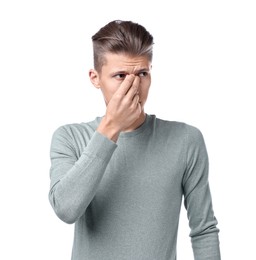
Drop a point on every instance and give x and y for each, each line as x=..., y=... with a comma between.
x=142, y=70
x=119, y=72
x=135, y=72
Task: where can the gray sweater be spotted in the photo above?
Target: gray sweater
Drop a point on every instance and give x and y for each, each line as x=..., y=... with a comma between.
x=125, y=197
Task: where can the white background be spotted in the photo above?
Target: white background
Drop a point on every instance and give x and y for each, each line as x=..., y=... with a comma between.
x=204, y=73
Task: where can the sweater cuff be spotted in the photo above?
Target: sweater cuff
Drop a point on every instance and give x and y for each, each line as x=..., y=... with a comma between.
x=100, y=146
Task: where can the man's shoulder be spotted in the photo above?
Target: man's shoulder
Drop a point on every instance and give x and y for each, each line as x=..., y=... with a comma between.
x=77, y=129
x=169, y=123
x=172, y=124
x=177, y=127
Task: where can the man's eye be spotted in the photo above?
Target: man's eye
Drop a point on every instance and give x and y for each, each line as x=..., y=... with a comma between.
x=120, y=76
x=143, y=74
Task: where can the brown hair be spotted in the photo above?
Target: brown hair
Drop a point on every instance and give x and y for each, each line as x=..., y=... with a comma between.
x=121, y=37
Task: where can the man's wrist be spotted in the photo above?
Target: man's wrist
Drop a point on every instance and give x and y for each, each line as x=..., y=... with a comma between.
x=107, y=129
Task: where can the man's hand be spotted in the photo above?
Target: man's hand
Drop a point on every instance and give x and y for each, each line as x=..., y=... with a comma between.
x=123, y=109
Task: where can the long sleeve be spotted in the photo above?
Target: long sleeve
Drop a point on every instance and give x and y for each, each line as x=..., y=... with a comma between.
x=74, y=180
x=197, y=200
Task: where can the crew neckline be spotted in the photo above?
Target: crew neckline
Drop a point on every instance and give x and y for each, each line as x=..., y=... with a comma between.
x=134, y=132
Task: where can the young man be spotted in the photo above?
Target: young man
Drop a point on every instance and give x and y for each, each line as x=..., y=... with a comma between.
x=121, y=177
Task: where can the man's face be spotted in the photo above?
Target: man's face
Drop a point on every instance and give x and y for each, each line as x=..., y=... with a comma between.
x=114, y=71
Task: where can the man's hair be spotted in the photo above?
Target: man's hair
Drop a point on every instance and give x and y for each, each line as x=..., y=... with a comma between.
x=121, y=37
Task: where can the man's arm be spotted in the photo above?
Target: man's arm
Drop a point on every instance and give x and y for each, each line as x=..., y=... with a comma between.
x=74, y=181
x=197, y=199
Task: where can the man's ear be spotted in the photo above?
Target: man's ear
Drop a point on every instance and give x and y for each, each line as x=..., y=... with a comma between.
x=94, y=77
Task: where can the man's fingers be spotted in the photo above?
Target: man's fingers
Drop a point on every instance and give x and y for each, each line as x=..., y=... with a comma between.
x=126, y=84
x=133, y=89
x=136, y=99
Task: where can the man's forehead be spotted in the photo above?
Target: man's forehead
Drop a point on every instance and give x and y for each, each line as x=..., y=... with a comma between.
x=120, y=62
